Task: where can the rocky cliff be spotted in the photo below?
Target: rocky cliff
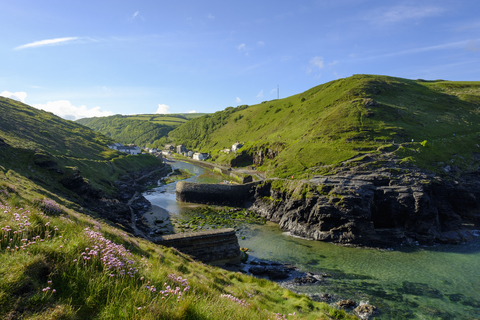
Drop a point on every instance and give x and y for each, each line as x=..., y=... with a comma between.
x=381, y=207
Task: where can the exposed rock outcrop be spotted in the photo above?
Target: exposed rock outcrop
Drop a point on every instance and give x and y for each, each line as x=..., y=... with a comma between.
x=372, y=208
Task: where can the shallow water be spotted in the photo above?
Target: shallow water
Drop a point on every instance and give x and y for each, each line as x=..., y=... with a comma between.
x=440, y=282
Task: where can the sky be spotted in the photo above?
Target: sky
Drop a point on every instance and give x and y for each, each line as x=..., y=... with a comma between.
x=97, y=58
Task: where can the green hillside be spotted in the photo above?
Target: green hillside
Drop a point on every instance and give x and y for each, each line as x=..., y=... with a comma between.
x=313, y=132
x=47, y=149
x=58, y=263
x=143, y=130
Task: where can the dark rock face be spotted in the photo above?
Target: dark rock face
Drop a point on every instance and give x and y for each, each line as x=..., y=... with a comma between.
x=346, y=304
x=374, y=209
x=123, y=207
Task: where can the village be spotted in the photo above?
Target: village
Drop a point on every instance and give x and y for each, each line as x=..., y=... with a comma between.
x=168, y=150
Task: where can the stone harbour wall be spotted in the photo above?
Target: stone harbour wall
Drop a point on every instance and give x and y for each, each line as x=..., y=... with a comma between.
x=206, y=246
x=222, y=194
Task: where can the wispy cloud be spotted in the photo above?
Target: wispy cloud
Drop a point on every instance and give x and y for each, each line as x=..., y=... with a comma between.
x=316, y=63
x=136, y=15
x=241, y=47
x=64, y=109
x=47, y=42
x=193, y=111
x=473, y=46
x=238, y=100
x=19, y=96
x=260, y=43
x=273, y=91
x=210, y=16
x=402, y=13
x=260, y=94
x=163, y=109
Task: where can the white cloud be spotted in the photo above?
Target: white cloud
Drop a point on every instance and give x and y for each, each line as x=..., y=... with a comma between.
x=238, y=100
x=241, y=46
x=162, y=109
x=193, y=111
x=135, y=16
x=261, y=43
x=260, y=94
x=273, y=91
x=210, y=16
x=19, y=96
x=64, y=109
x=317, y=62
x=333, y=63
x=401, y=13
x=45, y=42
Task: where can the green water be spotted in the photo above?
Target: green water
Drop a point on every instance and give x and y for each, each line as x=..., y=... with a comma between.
x=441, y=282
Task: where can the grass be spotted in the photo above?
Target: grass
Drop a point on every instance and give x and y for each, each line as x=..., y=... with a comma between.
x=148, y=130
x=52, y=266
x=48, y=149
x=343, y=119
x=59, y=263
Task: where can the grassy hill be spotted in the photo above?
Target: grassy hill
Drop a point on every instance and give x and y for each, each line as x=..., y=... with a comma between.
x=47, y=149
x=58, y=263
x=315, y=131
x=143, y=130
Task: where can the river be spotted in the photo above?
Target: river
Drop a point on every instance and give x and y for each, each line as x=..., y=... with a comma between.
x=440, y=282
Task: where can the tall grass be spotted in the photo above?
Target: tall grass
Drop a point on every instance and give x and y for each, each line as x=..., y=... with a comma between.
x=58, y=264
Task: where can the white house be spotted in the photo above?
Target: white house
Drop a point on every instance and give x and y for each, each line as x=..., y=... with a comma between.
x=190, y=154
x=115, y=146
x=130, y=150
x=200, y=156
x=154, y=150
x=236, y=146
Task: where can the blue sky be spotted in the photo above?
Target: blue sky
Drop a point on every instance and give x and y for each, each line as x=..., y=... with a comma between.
x=94, y=58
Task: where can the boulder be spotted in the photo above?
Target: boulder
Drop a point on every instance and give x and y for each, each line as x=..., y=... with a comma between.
x=344, y=304
x=365, y=311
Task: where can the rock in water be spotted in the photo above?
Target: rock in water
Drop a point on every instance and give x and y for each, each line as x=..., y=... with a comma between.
x=365, y=311
x=344, y=304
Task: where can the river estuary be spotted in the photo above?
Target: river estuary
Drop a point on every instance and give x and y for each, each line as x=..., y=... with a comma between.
x=441, y=282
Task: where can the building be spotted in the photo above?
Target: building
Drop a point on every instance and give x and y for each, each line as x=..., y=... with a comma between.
x=154, y=150
x=236, y=146
x=169, y=147
x=115, y=146
x=130, y=150
x=200, y=156
x=190, y=154
x=181, y=149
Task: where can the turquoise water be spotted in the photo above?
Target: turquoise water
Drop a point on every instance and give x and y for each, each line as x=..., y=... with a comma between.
x=440, y=282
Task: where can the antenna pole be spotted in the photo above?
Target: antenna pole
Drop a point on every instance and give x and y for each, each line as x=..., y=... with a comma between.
x=278, y=92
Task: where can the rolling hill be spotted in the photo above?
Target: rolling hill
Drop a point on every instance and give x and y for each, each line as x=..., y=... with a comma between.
x=56, y=262
x=143, y=130
x=425, y=123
